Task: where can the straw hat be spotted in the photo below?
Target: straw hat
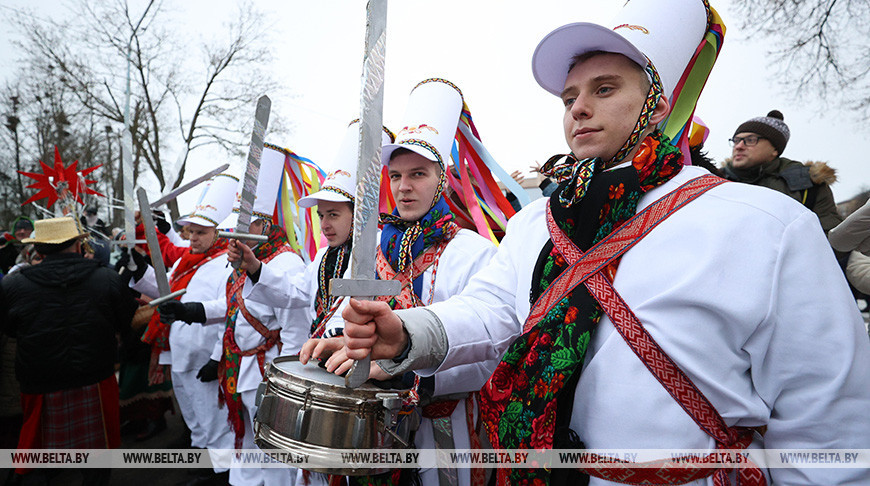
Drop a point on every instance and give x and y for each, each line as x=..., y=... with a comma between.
x=340, y=184
x=54, y=231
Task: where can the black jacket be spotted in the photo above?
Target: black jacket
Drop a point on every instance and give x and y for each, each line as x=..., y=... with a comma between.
x=64, y=313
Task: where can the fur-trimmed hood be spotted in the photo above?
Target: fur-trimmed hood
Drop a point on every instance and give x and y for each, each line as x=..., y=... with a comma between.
x=822, y=173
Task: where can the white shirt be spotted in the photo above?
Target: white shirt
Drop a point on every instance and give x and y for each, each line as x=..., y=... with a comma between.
x=291, y=321
x=192, y=345
x=741, y=289
x=290, y=288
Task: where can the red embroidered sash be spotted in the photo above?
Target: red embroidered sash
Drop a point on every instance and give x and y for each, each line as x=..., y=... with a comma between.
x=586, y=268
x=273, y=336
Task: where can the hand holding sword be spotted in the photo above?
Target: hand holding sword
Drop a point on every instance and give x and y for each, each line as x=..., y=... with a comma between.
x=156, y=256
x=240, y=252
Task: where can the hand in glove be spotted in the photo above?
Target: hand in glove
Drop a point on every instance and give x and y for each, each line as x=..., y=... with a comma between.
x=208, y=372
x=188, y=312
x=162, y=224
x=141, y=264
x=123, y=260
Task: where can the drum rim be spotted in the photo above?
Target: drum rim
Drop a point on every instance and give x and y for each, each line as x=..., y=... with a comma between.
x=366, y=390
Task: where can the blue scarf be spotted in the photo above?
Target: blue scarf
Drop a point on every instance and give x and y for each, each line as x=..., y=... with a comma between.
x=402, y=241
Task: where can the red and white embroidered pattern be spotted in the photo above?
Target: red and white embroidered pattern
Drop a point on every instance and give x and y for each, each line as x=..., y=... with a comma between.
x=585, y=268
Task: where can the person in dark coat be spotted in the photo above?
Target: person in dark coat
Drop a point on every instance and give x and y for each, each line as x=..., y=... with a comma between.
x=64, y=314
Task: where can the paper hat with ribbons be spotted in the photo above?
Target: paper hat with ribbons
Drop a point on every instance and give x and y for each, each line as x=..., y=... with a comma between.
x=268, y=181
x=340, y=184
x=430, y=121
x=681, y=38
x=215, y=202
x=438, y=125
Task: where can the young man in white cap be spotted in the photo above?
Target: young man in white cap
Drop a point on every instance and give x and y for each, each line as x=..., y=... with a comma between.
x=273, y=285
x=252, y=333
x=422, y=247
x=178, y=334
x=702, y=330
x=276, y=286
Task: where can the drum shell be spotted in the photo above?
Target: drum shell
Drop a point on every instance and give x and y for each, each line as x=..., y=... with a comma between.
x=303, y=415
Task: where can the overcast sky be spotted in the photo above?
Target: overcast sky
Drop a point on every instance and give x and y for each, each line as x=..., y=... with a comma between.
x=485, y=47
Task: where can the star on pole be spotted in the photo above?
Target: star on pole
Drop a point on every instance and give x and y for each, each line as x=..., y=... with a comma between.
x=57, y=182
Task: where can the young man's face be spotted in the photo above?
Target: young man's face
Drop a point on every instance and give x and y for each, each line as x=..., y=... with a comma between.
x=336, y=219
x=413, y=182
x=603, y=98
x=747, y=156
x=22, y=233
x=201, y=237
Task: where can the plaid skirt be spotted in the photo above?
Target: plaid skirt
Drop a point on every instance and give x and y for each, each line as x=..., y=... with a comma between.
x=77, y=418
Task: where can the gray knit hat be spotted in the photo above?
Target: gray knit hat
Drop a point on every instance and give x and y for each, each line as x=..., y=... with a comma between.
x=770, y=127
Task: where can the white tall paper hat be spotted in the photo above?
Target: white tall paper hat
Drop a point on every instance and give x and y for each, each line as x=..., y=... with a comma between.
x=340, y=184
x=666, y=31
x=430, y=121
x=215, y=202
x=268, y=182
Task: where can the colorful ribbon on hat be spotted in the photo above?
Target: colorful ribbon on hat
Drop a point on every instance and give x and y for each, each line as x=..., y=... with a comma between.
x=301, y=178
x=480, y=199
x=678, y=125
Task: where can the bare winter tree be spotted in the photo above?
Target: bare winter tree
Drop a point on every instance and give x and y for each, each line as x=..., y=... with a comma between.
x=184, y=93
x=820, y=46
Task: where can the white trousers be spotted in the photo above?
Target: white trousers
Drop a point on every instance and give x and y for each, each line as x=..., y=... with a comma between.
x=198, y=402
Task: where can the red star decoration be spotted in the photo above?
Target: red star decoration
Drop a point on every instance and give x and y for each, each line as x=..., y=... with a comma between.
x=53, y=181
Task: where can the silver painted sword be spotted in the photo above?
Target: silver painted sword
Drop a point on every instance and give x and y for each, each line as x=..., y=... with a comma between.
x=252, y=170
x=362, y=283
x=156, y=256
x=188, y=186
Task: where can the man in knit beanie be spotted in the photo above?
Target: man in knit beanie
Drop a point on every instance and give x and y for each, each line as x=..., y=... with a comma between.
x=756, y=158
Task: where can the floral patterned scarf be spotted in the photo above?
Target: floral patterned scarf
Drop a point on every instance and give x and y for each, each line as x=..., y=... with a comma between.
x=523, y=403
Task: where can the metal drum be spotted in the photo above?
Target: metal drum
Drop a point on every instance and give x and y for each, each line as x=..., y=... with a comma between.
x=304, y=409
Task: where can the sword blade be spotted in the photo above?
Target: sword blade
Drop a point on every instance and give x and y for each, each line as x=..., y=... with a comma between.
x=369, y=163
x=186, y=187
x=252, y=170
x=153, y=245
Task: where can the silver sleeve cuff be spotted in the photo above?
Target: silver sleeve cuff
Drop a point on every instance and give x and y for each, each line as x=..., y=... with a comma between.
x=428, y=342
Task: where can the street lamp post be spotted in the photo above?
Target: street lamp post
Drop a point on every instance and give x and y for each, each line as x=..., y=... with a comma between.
x=12, y=125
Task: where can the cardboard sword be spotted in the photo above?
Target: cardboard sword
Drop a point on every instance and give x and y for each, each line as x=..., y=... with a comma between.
x=186, y=187
x=252, y=173
x=156, y=255
x=362, y=284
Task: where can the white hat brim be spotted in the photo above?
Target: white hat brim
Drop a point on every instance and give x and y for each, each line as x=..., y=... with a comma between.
x=323, y=195
x=194, y=219
x=554, y=53
x=387, y=152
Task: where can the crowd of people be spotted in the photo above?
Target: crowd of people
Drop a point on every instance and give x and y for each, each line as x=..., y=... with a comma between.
x=649, y=299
